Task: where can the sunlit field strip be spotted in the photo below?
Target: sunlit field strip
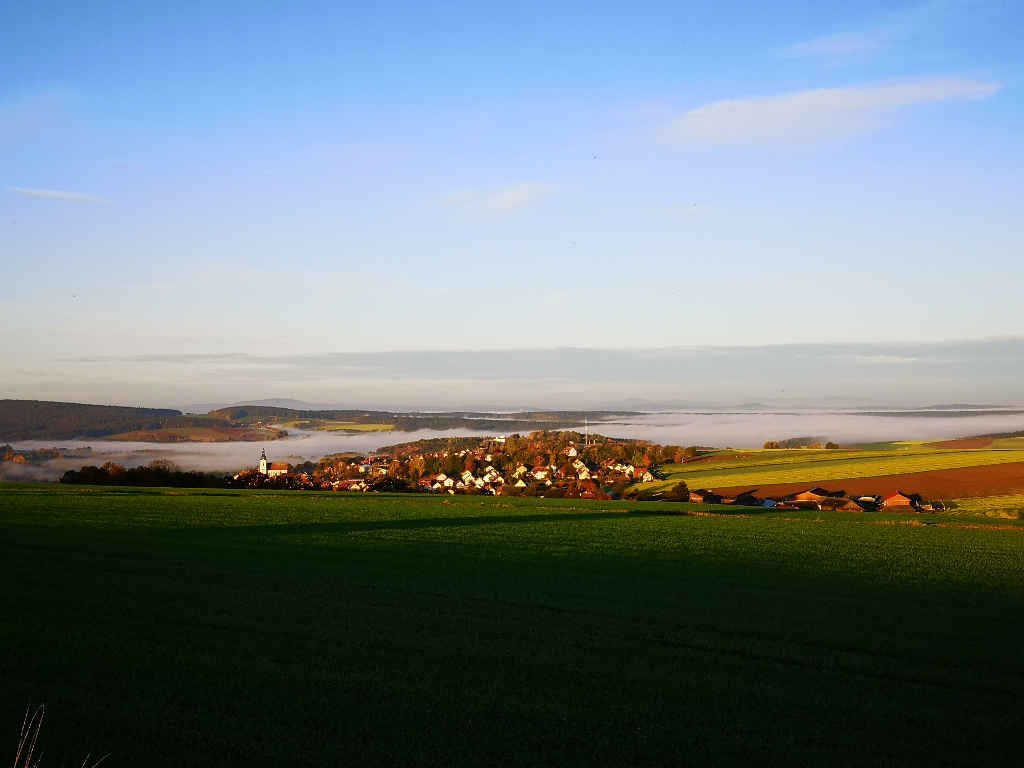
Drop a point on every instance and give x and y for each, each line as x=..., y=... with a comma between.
x=1006, y=507
x=773, y=457
x=851, y=467
x=1009, y=442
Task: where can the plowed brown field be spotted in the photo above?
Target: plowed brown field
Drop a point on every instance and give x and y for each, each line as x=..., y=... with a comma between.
x=963, y=442
x=940, y=484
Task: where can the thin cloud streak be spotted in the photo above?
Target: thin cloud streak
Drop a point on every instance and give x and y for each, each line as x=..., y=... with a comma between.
x=835, y=45
x=500, y=198
x=875, y=32
x=57, y=194
x=817, y=114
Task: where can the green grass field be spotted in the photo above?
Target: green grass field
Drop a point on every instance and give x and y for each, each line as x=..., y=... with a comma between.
x=797, y=466
x=1005, y=507
x=338, y=426
x=176, y=628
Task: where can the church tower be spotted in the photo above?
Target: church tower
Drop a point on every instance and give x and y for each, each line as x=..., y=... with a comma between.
x=263, y=462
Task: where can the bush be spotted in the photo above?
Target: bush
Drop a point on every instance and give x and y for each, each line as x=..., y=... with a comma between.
x=678, y=492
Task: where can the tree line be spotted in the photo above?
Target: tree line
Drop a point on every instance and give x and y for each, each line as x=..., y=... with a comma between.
x=158, y=473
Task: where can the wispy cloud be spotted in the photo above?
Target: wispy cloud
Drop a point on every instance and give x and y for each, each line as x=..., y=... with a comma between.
x=876, y=31
x=887, y=359
x=816, y=114
x=57, y=194
x=506, y=197
x=836, y=45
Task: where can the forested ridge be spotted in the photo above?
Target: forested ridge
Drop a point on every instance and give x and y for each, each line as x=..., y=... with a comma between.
x=48, y=420
x=45, y=420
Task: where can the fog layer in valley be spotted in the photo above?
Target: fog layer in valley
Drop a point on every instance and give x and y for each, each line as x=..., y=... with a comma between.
x=299, y=446
x=752, y=430
x=736, y=430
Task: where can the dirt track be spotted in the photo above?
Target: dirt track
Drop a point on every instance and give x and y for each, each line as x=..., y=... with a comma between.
x=941, y=484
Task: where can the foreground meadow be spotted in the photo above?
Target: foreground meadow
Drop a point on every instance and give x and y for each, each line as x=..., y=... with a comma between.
x=247, y=628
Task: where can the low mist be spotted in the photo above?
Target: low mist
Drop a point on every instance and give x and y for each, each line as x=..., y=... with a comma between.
x=734, y=430
x=226, y=458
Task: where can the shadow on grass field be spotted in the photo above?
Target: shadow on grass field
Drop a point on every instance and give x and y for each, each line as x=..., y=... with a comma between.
x=275, y=629
x=418, y=523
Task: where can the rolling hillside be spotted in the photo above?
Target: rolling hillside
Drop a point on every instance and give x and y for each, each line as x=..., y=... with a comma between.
x=44, y=420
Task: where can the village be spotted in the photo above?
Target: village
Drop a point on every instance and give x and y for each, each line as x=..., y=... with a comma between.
x=546, y=464
x=486, y=469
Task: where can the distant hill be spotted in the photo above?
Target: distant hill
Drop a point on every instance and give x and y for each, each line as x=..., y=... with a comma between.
x=252, y=413
x=45, y=420
x=412, y=421
x=273, y=402
x=963, y=407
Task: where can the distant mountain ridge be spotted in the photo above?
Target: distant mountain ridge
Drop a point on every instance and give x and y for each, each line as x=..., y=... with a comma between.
x=410, y=421
x=49, y=420
x=270, y=402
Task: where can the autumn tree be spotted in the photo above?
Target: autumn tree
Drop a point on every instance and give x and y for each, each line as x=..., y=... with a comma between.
x=417, y=467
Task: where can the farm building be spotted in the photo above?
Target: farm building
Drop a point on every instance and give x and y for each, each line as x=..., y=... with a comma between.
x=816, y=495
x=904, y=500
x=828, y=493
x=747, y=499
x=705, y=497
x=801, y=504
x=870, y=503
x=842, y=505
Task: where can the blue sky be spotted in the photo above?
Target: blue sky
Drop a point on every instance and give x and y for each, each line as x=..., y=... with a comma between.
x=222, y=178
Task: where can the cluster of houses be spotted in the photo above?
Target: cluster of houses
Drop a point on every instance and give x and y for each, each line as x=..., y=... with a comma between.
x=823, y=499
x=490, y=480
x=587, y=479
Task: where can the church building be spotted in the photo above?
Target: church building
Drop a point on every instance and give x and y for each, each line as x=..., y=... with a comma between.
x=271, y=470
